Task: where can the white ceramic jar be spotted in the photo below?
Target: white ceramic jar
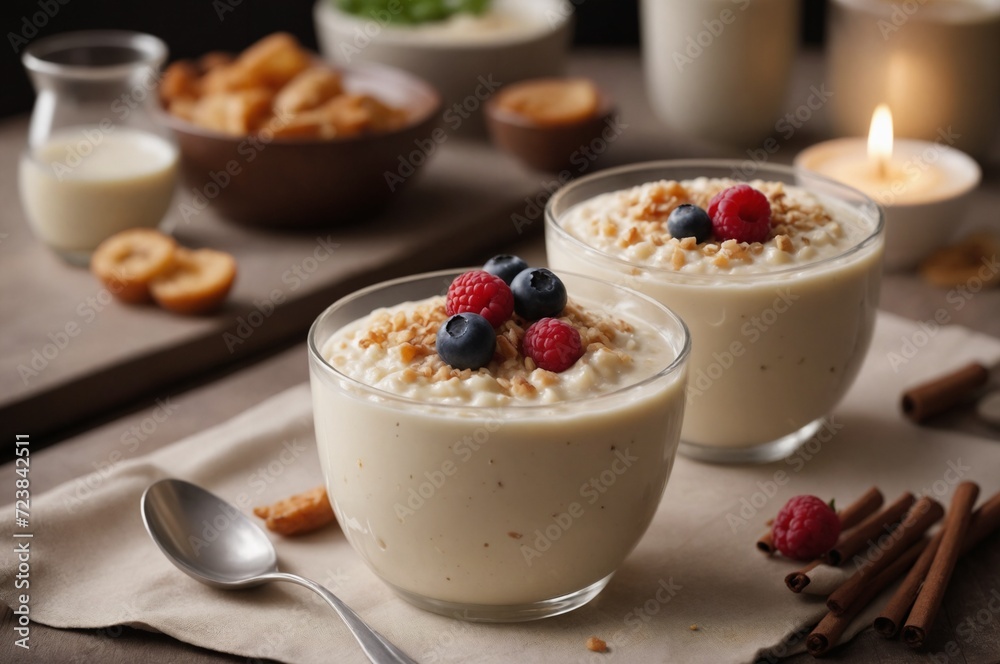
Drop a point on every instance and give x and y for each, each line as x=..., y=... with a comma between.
x=719, y=69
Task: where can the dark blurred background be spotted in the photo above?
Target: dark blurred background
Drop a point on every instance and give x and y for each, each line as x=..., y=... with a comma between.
x=193, y=27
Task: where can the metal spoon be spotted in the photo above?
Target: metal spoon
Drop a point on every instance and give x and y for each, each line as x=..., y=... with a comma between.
x=213, y=542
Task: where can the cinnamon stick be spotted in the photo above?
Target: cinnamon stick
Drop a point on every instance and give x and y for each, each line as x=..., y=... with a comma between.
x=850, y=516
x=924, y=513
x=887, y=623
x=766, y=542
x=861, y=508
x=868, y=529
x=799, y=579
x=929, y=598
x=825, y=579
x=985, y=521
x=829, y=630
x=944, y=392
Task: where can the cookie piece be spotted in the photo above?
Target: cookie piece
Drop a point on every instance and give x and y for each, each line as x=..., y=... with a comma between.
x=298, y=514
x=196, y=282
x=551, y=102
x=128, y=261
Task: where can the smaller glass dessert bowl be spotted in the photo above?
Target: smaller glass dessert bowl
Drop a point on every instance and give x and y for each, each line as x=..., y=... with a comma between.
x=780, y=325
x=507, y=493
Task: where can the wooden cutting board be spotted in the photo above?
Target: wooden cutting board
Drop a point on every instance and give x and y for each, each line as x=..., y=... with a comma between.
x=68, y=351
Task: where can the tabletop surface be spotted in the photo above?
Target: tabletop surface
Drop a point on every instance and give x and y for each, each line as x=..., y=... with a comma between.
x=64, y=341
x=202, y=399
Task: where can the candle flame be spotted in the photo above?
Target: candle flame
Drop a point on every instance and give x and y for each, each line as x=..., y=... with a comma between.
x=880, y=139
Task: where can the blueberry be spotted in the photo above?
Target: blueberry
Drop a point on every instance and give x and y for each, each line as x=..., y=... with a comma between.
x=506, y=267
x=466, y=341
x=689, y=221
x=538, y=294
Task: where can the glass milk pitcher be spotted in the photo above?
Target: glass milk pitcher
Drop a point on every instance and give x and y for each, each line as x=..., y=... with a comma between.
x=97, y=161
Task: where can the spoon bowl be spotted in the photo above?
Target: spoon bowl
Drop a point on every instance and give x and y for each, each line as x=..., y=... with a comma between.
x=205, y=536
x=210, y=540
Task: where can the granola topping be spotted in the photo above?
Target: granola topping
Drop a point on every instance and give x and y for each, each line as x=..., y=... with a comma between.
x=394, y=350
x=632, y=224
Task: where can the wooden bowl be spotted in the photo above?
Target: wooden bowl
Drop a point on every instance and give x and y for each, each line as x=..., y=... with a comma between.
x=550, y=147
x=289, y=183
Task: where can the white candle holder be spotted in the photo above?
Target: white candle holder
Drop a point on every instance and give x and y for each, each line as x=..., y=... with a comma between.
x=925, y=195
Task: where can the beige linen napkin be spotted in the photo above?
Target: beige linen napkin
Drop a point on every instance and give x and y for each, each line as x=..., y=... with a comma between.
x=93, y=564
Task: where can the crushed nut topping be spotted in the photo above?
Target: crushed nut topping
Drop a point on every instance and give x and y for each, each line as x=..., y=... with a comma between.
x=645, y=209
x=784, y=243
x=412, y=333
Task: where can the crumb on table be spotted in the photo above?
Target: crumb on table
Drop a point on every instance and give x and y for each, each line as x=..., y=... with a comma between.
x=299, y=514
x=596, y=645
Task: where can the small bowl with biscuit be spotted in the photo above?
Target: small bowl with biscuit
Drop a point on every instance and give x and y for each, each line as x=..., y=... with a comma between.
x=275, y=137
x=549, y=124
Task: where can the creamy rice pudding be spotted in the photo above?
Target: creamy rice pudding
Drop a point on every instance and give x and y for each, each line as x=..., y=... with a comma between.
x=632, y=225
x=779, y=327
x=393, y=350
x=507, y=492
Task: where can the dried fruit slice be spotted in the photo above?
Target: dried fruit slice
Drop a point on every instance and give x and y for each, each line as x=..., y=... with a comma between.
x=127, y=261
x=197, y=281
x=551, y=101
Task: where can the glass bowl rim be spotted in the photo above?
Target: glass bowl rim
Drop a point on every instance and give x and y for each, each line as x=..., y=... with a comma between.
x=153, y=50
x=317, y=360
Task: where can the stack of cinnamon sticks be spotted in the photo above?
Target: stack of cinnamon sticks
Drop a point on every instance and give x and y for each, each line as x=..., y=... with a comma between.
x=878, y=546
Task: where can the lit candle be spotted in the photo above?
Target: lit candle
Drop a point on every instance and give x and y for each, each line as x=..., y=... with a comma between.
x=880, y=140
x=922, y=185
x=933, y=61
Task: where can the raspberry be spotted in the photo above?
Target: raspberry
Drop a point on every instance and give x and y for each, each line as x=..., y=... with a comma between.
x=740, y=213
x=482, y=293
x=553, y=344
x=805, y=528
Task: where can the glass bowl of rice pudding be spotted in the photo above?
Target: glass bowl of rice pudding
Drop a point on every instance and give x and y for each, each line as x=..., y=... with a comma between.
x=506, y=493
x=779, y=328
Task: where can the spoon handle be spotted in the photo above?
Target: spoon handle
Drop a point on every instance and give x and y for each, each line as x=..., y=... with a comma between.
x=377, y=647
